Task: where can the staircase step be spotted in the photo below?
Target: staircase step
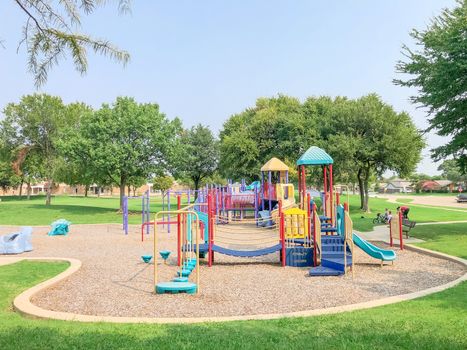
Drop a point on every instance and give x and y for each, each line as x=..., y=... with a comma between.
x=332, y=247
x=324, y=271
x=335, y=263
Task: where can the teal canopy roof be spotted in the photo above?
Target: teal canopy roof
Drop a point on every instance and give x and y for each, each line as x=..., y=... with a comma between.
x=315, y=156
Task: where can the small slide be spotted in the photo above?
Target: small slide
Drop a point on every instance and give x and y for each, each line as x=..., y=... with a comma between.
x=374, y=251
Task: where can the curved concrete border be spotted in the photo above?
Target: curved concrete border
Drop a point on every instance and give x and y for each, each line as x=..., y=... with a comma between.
x=22, y=302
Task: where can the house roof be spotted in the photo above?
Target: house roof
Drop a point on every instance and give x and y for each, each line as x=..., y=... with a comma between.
x=444, y=183
x=430, y=184
x=400, y=183
x=315, y=156
x=274, y=164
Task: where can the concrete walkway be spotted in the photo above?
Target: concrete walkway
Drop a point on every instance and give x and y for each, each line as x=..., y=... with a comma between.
x=381, y=233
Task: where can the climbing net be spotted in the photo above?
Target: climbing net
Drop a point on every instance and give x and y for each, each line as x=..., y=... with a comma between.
x=245, y=232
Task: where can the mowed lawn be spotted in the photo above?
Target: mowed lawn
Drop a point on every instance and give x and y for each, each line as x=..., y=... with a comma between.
x=78, y=210
x=450, y=238
x=89, y=210
x=363, y=221
x=434, y=322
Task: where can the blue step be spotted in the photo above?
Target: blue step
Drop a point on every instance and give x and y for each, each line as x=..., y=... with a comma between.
x=176, y=287
x=326, y=247
x=324, y=271
x=336, y=262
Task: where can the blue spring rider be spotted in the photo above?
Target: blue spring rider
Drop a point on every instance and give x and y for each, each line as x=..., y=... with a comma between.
x=146, y=258
x=164, y=255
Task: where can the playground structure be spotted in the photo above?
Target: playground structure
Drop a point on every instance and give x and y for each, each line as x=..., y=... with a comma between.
x=220, y=221
x=145, y=211
x=188, y=260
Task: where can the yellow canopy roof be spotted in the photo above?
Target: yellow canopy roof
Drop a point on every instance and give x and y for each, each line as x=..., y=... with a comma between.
x=274, y=164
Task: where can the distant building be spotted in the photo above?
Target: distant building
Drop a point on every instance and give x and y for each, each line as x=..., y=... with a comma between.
x=436, y=186
x=397, y=186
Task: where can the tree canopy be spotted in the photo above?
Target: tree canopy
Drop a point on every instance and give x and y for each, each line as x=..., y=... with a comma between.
x=198, y=155
x=365, y=137
x=276, y=127
x=439, y=72
x=32, y=129
x=51, y=33
x=450, y=170
x=124, y=142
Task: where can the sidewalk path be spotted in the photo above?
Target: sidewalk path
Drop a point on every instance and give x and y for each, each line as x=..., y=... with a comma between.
x=381, y=233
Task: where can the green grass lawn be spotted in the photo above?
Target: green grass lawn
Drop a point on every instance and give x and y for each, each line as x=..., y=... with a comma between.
x=450, y=238
x=410, y=200
x=78, y=210
x=434, y=322
x=82, y=210
x=363, y=221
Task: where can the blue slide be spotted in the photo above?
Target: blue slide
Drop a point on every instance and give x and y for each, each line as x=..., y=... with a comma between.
x=374, y=251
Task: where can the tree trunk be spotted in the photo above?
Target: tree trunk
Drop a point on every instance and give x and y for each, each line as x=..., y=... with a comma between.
x=86, y=189
x=196, y=181
x=129, y=190
x=21, y=188
x=366, y=207
x=28, y=189
x=48, y=197
x=360, y=187
x=98, y=192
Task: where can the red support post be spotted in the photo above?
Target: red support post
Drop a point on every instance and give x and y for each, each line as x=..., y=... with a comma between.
x=179, y=232
x=282, y=237
x=338, y=198
x=303, y=185
x=401, y=238
x=346, y=206
x=300, y=184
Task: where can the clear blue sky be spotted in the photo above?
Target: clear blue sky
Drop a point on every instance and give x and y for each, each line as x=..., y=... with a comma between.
x=206, y=60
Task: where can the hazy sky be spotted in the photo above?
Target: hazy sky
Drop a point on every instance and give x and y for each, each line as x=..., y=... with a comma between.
x=206, y=60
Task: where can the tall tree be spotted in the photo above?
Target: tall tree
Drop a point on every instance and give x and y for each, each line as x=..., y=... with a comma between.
x=162, y=183
x=199, y=155
x=275, y=127
x=365, y=137
x=368, y=137
x=439, y=72
x=51, y=33
x=451, y=171
x=38, y=122
x=124, y=141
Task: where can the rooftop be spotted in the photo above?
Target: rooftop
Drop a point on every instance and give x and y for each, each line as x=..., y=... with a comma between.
x=315, y=156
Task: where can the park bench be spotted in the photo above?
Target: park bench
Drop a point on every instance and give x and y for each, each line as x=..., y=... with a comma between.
x=407, y=225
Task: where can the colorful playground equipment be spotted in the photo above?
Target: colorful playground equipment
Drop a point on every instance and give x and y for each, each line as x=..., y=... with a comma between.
x=220, y=221
x=145, y=210
x=258, y=200
x=60, y=227
x=188, y=261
